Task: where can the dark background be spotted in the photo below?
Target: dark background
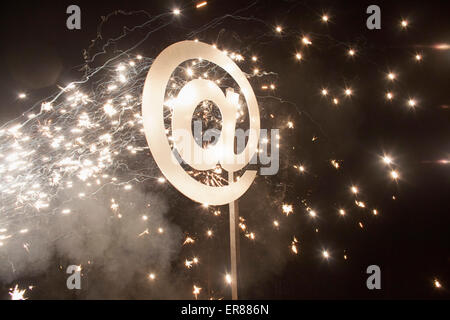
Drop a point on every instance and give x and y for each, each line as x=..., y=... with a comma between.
x=409, y=239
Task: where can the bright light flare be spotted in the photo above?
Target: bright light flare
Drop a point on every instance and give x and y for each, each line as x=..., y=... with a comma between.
x=387, y=159
x=394, y=175
x=17, y=294
x=389, y=96
x=306, y=41
x=437, y=284
x=287, y=209
x=196, y=291
x=294, y=247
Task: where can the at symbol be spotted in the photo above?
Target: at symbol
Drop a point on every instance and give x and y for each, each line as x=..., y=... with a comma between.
x=190, y=95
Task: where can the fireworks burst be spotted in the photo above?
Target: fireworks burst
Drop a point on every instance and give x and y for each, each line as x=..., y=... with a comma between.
x=87, y=140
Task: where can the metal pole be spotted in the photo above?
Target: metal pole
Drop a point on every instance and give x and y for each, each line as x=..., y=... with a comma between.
x=234, y=243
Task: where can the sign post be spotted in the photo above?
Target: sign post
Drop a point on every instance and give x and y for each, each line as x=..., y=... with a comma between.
x=234, y=243
x=202, y=159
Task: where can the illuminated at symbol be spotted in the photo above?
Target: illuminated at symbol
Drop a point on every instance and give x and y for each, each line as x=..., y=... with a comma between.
x=189, y=97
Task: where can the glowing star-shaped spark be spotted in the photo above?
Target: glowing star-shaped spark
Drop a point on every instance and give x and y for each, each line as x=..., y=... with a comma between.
x=387, y=159
x=437, y=284
x=196, y=291
x=306, y=41
x=394, y=175
x=389, y=96
x=17, y=294
x=287, y=209
x=412, y=103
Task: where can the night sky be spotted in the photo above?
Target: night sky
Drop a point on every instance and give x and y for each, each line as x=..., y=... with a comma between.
x=408, y=237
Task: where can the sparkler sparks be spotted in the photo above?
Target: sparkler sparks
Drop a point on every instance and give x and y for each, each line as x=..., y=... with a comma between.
x=412, y=103
x=306, y=41
x=17, y=294
x=394, y=175
x=287, y=209
x=196, y=291
x=312, y=213
x=294, y=245
x=389, y=95
x=201, y=4
x=437, y=284
x=88, y=138
x=387, y=159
